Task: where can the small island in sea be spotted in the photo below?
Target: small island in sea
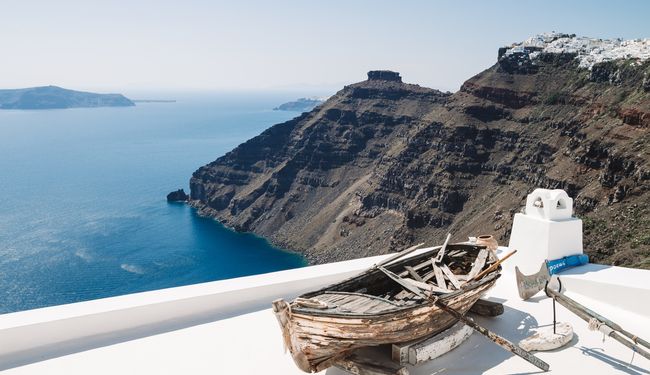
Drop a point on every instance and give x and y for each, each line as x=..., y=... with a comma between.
x=54, y=97
x=300, y=105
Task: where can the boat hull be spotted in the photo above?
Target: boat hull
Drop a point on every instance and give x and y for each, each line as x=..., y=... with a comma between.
x=316, y=341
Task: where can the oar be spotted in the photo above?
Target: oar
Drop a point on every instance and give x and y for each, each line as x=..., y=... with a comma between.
x=611, y=328
x=494, y=266
x=484, y=331
x=502, y=342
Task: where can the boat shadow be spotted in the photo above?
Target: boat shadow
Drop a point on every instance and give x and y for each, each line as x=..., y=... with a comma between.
x=479, y=354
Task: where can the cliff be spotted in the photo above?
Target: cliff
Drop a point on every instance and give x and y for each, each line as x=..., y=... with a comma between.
x=383, y=164
x=53, y=97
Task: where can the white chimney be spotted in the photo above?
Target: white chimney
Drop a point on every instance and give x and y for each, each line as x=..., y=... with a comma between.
x=547, y=230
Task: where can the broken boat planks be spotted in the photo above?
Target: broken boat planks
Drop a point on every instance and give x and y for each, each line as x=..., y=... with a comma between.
x=413, y=274
x=450, y=275
x=440, y=278
x=427, y=287
x=417, y=267
x=478, y=264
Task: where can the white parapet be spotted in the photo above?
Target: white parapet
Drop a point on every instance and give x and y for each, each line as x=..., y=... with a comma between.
x=49, y=332
x=546, y=231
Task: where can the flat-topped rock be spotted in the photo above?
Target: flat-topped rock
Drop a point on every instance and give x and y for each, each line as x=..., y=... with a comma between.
x=384, y=75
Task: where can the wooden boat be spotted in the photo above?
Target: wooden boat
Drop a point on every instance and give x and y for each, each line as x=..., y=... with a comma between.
x=385, y=304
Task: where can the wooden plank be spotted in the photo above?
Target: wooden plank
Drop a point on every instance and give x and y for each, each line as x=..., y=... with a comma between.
x=401, y=282
x=413, y=274
x=450, y=275
x=417, y=267
x=428, y=276
x=487, y=308
x=441, y=253
x=403, y=294
x=494, y=266
x=478, y=264
x=440, y=278
x=354, y=294
x=459, y=254
x=400, y=351
x=427, y=287
x=440, y=344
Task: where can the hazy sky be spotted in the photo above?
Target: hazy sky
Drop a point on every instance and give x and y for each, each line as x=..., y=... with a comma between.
x=190, y=44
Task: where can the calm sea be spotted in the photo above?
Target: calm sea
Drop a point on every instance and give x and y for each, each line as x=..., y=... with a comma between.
x=83, y=213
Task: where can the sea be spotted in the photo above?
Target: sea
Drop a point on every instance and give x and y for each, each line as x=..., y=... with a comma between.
x=83, y=213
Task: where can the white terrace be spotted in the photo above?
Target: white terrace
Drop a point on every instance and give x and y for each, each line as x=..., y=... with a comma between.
x=227, y=327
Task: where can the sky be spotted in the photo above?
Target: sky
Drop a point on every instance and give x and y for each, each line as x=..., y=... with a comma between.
x=113, y=46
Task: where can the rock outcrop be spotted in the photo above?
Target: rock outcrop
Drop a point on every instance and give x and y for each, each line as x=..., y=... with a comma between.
x=383, y=164
x=384, y=75
x=178, y=196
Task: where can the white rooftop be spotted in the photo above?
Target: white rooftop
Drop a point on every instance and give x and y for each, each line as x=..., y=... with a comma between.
x=590, y=51
x=227, y=327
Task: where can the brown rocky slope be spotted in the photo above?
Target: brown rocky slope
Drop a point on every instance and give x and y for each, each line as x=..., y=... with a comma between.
x=383, y=164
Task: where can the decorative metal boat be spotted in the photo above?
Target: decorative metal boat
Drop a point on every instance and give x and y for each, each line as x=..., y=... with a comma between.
x=389, y=303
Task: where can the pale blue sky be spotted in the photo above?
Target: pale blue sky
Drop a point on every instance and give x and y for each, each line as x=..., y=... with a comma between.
x=302, y=45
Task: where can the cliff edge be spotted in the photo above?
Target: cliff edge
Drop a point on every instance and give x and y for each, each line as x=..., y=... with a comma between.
x=383, y=164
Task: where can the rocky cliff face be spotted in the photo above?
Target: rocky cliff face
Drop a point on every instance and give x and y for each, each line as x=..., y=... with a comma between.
x=383, y=164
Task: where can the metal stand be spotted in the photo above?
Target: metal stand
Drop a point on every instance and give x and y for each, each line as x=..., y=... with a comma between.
x=550, y=296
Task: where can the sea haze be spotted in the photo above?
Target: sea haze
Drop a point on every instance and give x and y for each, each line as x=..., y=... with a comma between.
x=83, y=213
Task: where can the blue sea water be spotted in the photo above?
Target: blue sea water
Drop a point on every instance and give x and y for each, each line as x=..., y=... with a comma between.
x=83, y=213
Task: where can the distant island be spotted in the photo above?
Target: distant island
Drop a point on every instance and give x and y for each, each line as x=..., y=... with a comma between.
x=54, y=97
x=300, y=105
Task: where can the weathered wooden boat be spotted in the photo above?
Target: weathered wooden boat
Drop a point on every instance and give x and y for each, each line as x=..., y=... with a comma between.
x=385, y=304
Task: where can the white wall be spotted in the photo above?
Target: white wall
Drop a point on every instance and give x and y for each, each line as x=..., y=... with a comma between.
x=49, y=332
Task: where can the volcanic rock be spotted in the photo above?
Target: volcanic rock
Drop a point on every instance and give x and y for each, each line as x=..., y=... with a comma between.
x=177, y=196
x=384, y=164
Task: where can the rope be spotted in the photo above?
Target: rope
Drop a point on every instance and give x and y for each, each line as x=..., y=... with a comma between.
x=596, y=325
